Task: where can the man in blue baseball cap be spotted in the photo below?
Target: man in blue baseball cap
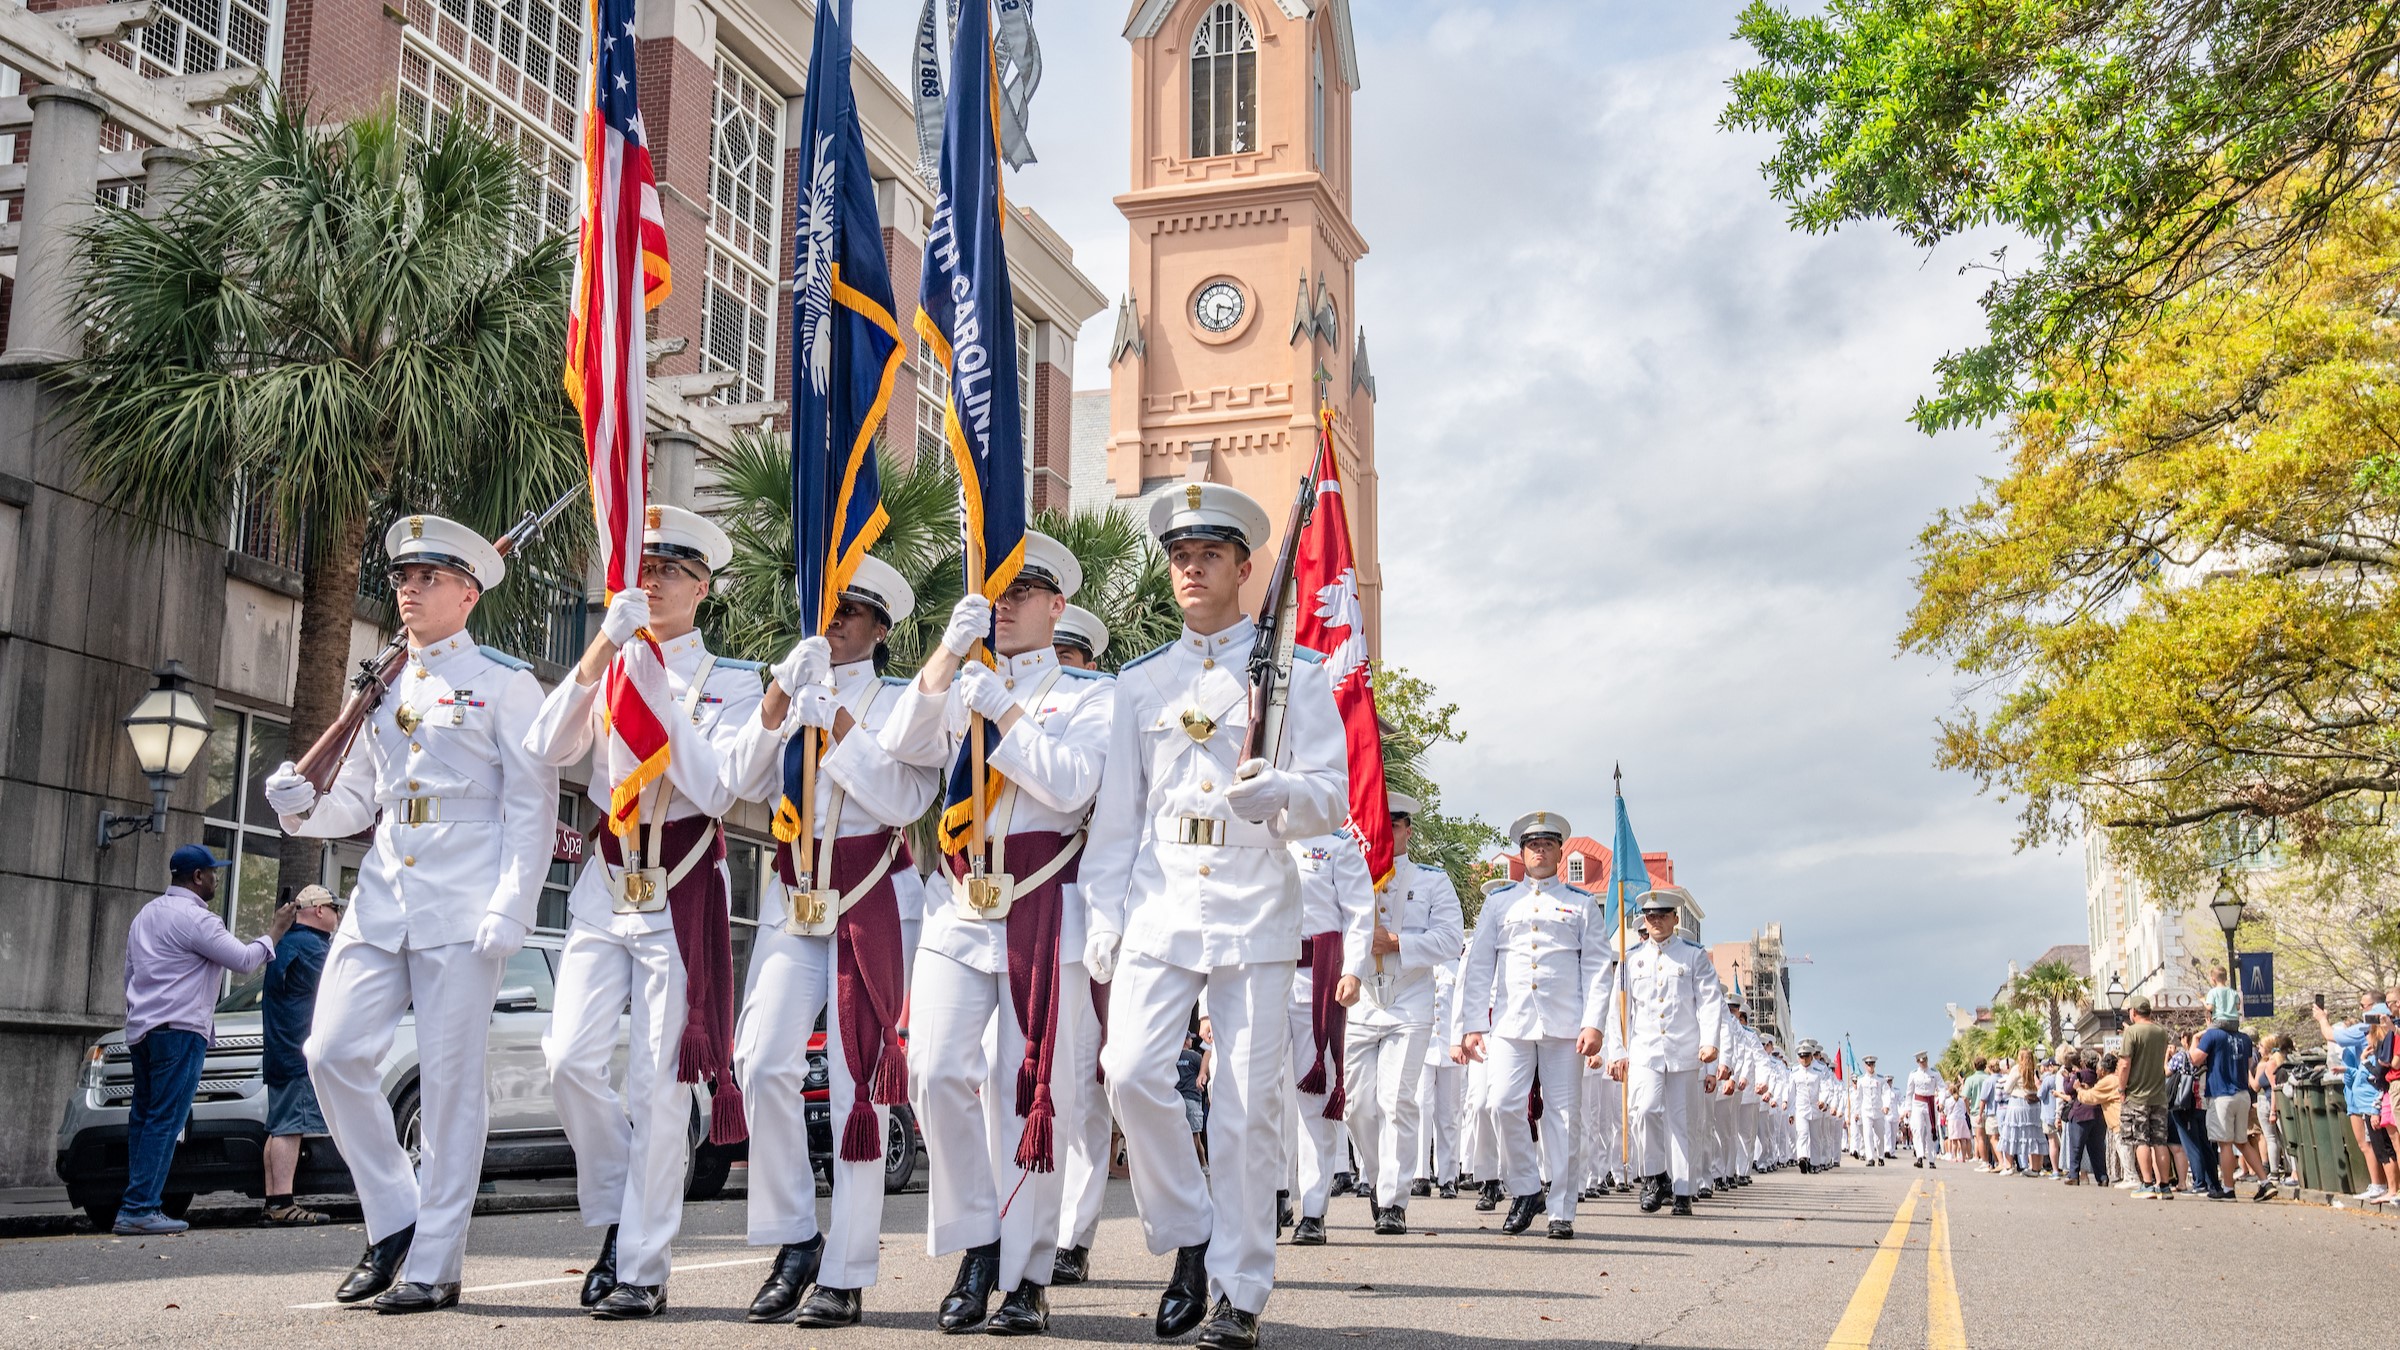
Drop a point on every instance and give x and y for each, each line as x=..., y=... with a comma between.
x=175, y=957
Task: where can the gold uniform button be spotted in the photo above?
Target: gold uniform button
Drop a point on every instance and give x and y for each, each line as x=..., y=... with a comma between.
x=1207, y=786
x=1208, y=663
x=409, y=861
x=1204, y=869
x=412, y=745
x=412, y=784
x=1008, y=684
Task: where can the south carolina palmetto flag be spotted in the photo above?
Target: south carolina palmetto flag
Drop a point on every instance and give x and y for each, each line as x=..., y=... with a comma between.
x=1332, y=623
x=621, y=274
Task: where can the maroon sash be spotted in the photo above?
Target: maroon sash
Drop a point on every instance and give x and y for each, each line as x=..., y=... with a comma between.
x=697, y=910
x=869, y=985
x=1328, y=1020
x=1033, y=922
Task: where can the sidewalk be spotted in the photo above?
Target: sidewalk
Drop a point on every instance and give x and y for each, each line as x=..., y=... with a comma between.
x=43, y=1211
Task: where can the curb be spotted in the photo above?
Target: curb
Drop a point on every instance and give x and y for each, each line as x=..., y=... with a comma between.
x=243, y=1213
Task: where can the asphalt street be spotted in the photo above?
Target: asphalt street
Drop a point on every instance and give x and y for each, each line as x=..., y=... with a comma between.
x=1885, y=1257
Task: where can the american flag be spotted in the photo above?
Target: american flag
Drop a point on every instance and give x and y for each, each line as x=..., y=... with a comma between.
x=623, y=245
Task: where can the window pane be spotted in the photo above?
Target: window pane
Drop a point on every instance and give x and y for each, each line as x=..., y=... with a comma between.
x=1220, y=131
x=224, y=765
x=269, y=747
x=1242, y=135
x=529, y=969
x=256, y=875
x=742, y=861
x=1200, y=107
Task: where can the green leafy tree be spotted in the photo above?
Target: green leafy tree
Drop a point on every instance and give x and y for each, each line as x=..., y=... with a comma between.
x=2143, y=146
x=342, y=319
x=2050, y=984
x=1415, y=721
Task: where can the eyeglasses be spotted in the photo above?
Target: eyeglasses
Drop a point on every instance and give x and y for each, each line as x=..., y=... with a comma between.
x=422, y=576
x=661, y=569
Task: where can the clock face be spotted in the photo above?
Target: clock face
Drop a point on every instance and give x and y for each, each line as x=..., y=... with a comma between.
x=1218, y=306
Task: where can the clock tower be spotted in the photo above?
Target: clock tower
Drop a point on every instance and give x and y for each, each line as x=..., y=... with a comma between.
x=1241, y=313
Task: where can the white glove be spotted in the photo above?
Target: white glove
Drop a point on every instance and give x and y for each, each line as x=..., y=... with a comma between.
x=970, y=623
x=1258, y=792
x=815, y=706
x=810, y=662
x=983, y=691
x=288, y=793
x=499, y=936
x=627, y=614
x=1100, y=956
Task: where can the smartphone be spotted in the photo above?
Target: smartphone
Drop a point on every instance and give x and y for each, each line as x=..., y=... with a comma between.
x=284, y=900
x=2320, y=1002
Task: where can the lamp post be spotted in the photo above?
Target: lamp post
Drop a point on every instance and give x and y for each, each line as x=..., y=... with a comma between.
x=2115, y=995
x=167, y=729
x=2228, y=909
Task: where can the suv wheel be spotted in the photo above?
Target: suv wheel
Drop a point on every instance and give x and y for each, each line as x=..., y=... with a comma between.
x=902, y=1148
x=408, y=1121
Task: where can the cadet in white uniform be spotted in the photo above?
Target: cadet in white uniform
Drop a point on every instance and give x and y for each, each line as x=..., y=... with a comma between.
x=1924, y=1117
x=1875, y=1114
x=1337, y=925
x=1080, y=640
x=1479, y=1142
x=1440, y=1091
x=830, y=945
x=1671, y=1005
x=464, y=819
x=1532, y=994
x=1005, y=945
x=1189, y=882
x=657, y=938
x=1417, y=925
x=1813, y=1087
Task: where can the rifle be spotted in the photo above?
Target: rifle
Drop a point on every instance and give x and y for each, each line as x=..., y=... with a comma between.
x=376, y=673
x=1271, y=651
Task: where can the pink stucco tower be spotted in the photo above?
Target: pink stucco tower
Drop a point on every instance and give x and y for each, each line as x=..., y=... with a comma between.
x=1242, y=276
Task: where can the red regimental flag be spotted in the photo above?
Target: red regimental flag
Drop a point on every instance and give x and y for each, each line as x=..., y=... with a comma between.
x=1332, y=623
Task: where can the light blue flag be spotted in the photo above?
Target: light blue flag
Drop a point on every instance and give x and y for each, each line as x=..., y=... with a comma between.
x=1628, y=877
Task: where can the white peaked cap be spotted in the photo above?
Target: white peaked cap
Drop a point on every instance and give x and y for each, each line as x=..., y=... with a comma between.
x=444, y=543
x=1401, y=803
x=1662, y=897
x=1047, y=561
x=672, y=532
x=878, y=583
x=1210, y=510
x=1539, y=822
x=1082, y=627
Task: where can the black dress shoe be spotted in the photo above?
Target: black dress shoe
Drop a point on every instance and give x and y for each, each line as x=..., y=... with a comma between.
x=1561, y=1229
x=1653, y=1195
x=1391, y=1221
x=1185, y=1301
x=1283, y=1211
x=411, y=1297
x=1342, y=1182
x=1025, y=1312
x=1073, y=1265
x=970, y=1296
x=1229, y=1328
x=1420, y=1188
x=1309, y=1232
x=1683, y=1205
x=601, y=1278
x=1705, y=1192
x=1449, y=1190
x=632, y=1302
x=377, y=1269
x=794, y=1271
x=828, y=1307
x=1520, y=1213
x=1489, y=1200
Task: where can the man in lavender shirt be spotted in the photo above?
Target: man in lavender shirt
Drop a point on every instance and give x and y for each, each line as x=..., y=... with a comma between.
x=175, y=959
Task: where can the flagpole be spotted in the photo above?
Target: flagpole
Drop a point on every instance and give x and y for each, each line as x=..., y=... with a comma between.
x=1624, y=1017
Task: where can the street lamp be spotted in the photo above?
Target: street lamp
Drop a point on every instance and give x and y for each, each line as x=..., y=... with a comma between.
x=2228, y=909
x=167, y=728
x=2115, y=994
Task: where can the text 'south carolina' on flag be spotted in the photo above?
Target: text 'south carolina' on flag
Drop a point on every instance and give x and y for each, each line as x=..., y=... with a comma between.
x=1332, y=623
x=968, y=319
x=620, y=274
x=845, y=354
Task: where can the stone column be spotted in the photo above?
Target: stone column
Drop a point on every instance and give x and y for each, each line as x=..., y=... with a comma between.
x=59, y=182
x=674, y=470
x=163, y=169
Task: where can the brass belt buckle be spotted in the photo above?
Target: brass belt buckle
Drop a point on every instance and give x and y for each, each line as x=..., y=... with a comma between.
x=1207, y=831
x=642, y=890
x=811, y=912
x=420, y=810
x=985, y=895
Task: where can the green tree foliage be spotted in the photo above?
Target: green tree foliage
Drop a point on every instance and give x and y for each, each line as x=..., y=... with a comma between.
x=2051, y=985
x=340, y=318
x=1415, y=722
x=2144, y=146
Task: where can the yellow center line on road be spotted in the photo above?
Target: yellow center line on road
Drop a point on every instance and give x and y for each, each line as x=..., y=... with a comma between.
x=555, y=1279
x=1857, y=1328
x=1945, y=1326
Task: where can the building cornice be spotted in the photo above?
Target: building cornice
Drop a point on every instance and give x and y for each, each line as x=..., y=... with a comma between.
x=1200, y=198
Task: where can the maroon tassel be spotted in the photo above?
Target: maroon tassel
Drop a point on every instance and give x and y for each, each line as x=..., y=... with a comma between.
x=728, y=1122
x=861, y=1141
x=1313, y=1082
x=1029, y=1085
x=692, y=1053
x=1337, y=1103
x=891, y=1076
x=1034, y=1153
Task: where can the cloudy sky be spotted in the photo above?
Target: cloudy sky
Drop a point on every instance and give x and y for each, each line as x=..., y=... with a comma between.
x=1644, y=456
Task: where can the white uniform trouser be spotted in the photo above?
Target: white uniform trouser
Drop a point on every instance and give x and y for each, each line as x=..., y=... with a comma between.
x=1312, y=1144
x=1438, y=1110
x=1382, y=1064
x=1745, y=1132
x=1084, y=1160
x=1514, y=1065
x=966, y=1104
x=1666, y=1118
x=1231, y=1206
x=631, y=1147
x=790, y=978
x=1480, y=1132
x=1921, y=1130
x=360, y=1000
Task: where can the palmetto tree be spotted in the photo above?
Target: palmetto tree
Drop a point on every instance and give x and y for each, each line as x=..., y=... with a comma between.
x=343, y=319
x=2049, y=984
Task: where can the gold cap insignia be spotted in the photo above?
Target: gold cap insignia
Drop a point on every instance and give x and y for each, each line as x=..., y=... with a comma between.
x=416, y=527
x=1191, y=496
x=650, y=517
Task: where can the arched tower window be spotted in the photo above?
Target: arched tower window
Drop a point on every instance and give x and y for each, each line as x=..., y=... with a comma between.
x=1224, y=83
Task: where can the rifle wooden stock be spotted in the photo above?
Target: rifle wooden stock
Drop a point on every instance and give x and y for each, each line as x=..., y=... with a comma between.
x=1272, y=620
x=375, y=675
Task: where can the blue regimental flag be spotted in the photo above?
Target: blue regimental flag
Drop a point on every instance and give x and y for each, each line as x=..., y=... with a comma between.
x=846, y=350
x=1628, y=876
x=968, y=320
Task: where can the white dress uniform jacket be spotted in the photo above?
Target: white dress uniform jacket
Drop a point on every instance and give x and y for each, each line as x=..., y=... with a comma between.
x=1533, y=970
x=1421, y=908
x=1674, y=1005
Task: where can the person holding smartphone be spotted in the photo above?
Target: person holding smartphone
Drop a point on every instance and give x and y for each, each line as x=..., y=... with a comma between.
x=287, y=1012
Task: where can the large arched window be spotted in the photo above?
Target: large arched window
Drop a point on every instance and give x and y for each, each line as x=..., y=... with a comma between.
x=1224, y=83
